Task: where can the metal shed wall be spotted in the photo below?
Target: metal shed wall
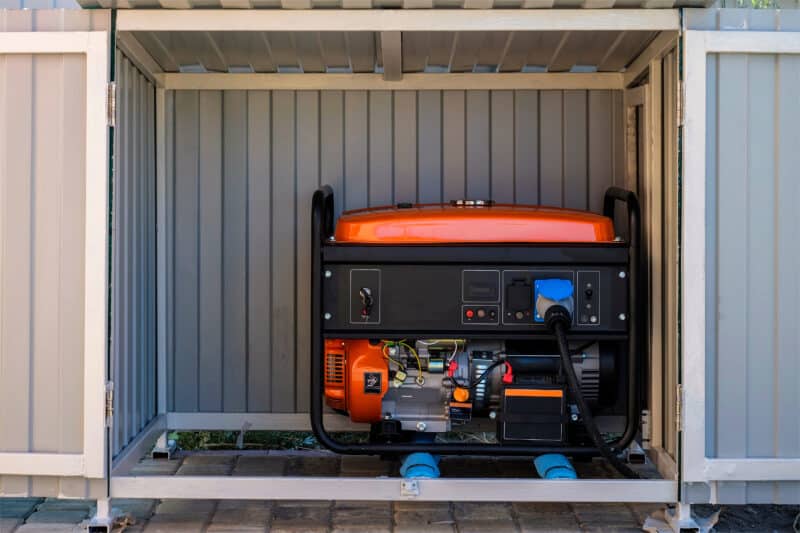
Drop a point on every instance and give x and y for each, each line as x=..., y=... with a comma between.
x=753, y=189
x=134, y=272
x=42, y=169
x=244, y=164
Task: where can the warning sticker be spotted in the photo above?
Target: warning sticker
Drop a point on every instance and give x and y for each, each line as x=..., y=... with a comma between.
x=372, y=382
x=460, y=411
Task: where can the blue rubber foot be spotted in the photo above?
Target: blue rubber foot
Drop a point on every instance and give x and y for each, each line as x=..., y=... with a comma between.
x=554, y=466
x=420, y=465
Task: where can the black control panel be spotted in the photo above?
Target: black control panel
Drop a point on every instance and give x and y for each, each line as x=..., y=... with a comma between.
x=431, y=297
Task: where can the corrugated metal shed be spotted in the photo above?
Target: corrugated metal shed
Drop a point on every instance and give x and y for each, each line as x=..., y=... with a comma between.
x=317, y=52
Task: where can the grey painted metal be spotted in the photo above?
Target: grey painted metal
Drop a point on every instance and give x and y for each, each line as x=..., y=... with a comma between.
x=133, y=351
x=318, y=52
x=753, y=346
x=243, y=167
x=42, y=121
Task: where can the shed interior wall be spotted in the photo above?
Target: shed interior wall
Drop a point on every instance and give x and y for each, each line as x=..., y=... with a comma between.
x=242, y=166
x=133, y=328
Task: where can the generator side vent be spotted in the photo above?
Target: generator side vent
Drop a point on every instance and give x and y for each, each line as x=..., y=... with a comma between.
x=334, y=369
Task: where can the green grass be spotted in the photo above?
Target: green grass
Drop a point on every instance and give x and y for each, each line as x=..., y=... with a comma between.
x=256, y=440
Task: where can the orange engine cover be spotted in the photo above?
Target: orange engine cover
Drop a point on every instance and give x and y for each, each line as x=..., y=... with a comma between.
x=445, y=223
x=356, y=378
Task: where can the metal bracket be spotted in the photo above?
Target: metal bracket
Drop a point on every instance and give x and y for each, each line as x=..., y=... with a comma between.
x=635, y=455
x=409, y=488
x=107, y=519
x=164, y=447
x=679, y=519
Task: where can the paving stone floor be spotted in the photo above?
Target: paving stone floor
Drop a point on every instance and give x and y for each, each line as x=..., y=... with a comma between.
x=31, y=515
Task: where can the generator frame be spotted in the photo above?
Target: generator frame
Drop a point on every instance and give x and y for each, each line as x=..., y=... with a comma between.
x=326, y=251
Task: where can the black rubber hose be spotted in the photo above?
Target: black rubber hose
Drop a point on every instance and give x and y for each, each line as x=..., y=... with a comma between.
x=558, y=320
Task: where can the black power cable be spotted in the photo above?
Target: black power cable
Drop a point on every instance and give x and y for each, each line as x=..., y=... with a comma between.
x=558, y=320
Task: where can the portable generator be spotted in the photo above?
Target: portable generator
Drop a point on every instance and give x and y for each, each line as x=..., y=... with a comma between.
x=432, y=320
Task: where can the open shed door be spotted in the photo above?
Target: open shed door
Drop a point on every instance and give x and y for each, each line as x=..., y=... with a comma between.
x=53, y=255
x=740, y=263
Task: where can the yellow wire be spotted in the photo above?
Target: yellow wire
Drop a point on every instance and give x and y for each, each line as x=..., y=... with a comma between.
x=414, y=353
x=387, y=356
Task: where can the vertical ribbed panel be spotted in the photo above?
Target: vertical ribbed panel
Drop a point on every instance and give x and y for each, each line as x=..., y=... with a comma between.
x=42, y=189
x=753, y=259
x=133, y=331
x=244, y=165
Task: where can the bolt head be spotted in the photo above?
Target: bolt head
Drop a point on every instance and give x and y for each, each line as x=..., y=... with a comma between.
x=622, y=274
x=574, y=417
x=622, y=316
x=421, y=426
x=328, y=316
x=492, y=415
x=328, y=273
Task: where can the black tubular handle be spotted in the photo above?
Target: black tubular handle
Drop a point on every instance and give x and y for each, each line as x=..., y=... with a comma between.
x=322, y=213
x=637, y=304
x=629, y=198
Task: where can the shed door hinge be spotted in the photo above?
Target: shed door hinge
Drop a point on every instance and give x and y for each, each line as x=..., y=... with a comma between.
x=111, y=104
x=109, y=403
x=679, y=408
x=681, y=103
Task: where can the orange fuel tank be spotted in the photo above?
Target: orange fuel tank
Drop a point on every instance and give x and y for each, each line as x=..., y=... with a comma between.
x=452, y=223
x=356, y=378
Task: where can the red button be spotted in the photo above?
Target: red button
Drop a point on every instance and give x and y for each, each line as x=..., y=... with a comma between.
x=470, y=313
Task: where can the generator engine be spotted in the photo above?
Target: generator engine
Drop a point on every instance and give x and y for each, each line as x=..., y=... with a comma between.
x=472, y=317
x=436, y=385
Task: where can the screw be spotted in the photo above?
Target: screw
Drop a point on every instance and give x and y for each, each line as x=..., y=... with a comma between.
x=328, y=316
x=574, y=417
x=622, y=316
x=332, y=238
x=622, y=274
x=492, y=415
x=421, y=426
x=328, y=273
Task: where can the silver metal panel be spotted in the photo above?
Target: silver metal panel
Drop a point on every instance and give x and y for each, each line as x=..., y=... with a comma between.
x=133, y=366
x=497, y=51
x=243, y=167
x=42, y=168
x=753, y=346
